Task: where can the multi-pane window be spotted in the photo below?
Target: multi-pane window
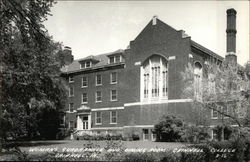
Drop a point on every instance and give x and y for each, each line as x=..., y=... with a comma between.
x=198, y=81
x=85, y=64
x=164, y=79
x=115, y=59
x=113, y=77
x=111, y=59
x=113, y=95
x=98, y=117
x=113, y=117
x=155, y=77
x=146, y=79
x=99, y=79
x=146, y=83
x=71, y=107
x=62, y=119
x=71, y=91
x=84, y=81
x=98, y=96
x=84, y=98
x=71, y=124
x=71, y=79
x=215, y=114
x=211, y=83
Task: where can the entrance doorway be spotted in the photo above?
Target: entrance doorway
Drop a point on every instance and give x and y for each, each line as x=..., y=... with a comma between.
x=85, y=123
x=145, y=134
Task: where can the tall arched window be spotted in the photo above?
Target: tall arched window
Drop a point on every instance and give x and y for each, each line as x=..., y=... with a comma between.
x=198, y=81
x=155, y=78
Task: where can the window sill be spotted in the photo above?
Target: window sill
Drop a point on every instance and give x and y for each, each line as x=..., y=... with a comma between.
x=71, y=81
x=98, y=123
x=84, y=86
x=71, y=96
x=71, y=112
x=114, y=83
x=112, y=123
x=98, y=101
x=84, y=103
x=98, y=85
x=113, y=100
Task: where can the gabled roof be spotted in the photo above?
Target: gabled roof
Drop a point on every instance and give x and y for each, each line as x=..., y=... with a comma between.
x=204, y=49
x=102, y=60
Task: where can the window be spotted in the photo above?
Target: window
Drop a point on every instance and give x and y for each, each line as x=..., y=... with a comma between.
x=71, y=124
x=198, y=81
x=115, y=59
x=71, y=79
x=98, y=79
x=113, y=117
x=62, y=119
x=84, y=98
x=71, y=107
x=155, y=78
x=98, y=117
x=113, y=77
x=84, y=81
x=98, y=96
x=111, y=59
x=113, y=95
x=71, y=91
x=85, y=64
x=215, y=114
x=211, y=83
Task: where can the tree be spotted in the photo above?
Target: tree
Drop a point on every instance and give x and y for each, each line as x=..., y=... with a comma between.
x=169, y=129
x=222, y=88
x=31, y=82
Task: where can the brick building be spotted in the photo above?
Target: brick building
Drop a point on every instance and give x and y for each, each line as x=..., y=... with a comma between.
x=132, y=88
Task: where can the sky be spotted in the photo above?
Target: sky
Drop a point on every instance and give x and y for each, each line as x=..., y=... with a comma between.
x=96, y=27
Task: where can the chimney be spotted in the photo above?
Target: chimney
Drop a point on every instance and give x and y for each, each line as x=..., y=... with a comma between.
x=231, y=36
x=154, y=20
x=68, y=57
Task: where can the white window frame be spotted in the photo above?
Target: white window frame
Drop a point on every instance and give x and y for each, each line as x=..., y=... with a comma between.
x=96, y=96
x=114, y=56
x=147, y=81
x=111, y=78
x=72, y=107
x=86, y=98
x=70, y=91
x=96, y=123
x=71, y=79
x=110, y=59
x=212, y=114
x=72, y=124
x=111, y=117
x=83, y=65
x=96, y=80
x=86, y=82
x=119, y=58
x=111, y=95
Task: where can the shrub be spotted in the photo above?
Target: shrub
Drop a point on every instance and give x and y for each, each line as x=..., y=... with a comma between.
x=169, y=129
x=132, y=134
x=98, y=137
x=194, y=134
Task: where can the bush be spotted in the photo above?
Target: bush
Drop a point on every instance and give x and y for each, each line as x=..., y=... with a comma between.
x=98, y=137
x=132, y=134
x=194, y=134
x=169, y=129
